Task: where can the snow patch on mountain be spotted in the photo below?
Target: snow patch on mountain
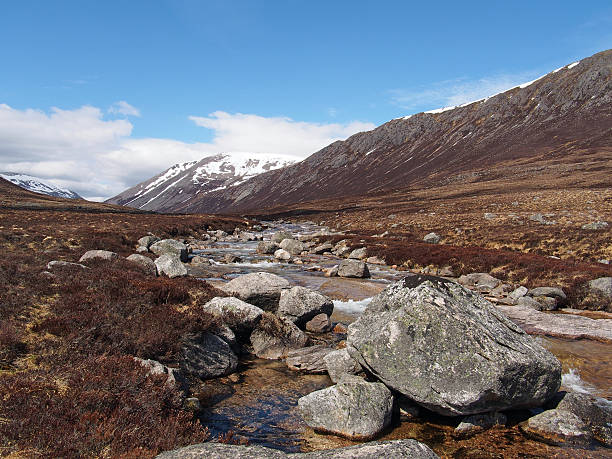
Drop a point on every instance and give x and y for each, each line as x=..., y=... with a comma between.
x=38, y=185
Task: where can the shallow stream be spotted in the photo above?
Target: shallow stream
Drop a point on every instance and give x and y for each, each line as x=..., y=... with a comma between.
x=258, y=404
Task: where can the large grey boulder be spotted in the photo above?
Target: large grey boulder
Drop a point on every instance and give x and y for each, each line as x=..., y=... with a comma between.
x=267, y=247
x=260, y=289
x=241, y=317
x=599, y=294
x=275, y=337
x=170, y=247
x=450, y=350
x=353, y=268
x=145, y=263
x=396, y=449
x=170, y=266
x=98, y=255
x=339, y=363
x=207, y=356
x=353, y=408
x=601, y=286
x=279, y=236
x=300, y=304
x=292, y=246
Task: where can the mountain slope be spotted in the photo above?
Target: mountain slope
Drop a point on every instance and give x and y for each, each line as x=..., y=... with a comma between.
x=183, y=182
x=559, y=115
x=38, y=185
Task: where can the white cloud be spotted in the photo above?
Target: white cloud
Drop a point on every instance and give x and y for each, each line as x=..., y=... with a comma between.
x=279, y=135
x=96, y=157
x=123, y=108
x=456, y=92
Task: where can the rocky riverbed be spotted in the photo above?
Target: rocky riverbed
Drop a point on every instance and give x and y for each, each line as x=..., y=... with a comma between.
x=444, y=361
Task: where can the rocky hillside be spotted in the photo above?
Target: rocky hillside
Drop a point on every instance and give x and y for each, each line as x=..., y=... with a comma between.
x=183, y=183
x=38, y=185
x=564, y=113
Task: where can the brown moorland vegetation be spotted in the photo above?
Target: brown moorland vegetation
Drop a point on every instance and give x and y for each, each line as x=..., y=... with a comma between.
x=69, y=385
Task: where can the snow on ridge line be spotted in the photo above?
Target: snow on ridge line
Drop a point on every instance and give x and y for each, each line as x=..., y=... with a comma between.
x=484, y=99
x=35, y=184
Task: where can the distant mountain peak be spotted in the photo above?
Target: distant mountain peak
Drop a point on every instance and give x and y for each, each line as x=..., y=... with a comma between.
x=184, y=181
x=38, y=185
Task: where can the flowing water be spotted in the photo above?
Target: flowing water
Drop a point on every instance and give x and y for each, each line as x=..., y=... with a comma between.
x=258, y=403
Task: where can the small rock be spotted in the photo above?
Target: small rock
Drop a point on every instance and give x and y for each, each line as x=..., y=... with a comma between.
x=292, y=246
x=300, y=304
x=359, y=254
x=475, y=423
x=518, y=292
x=170, y=266
x=231, y=258
x=192, y=404
x=156, y=368
x=282, y=254
x=260, y=289
x=319, y=324
x=274, y=337
x=170, y=247
x=595, y=226
x=557, y=427
x=352, y=408
x=207, y=356
x=144, y=262
x=98, y=254
x=490, y=216
x=198, y=260
x=375, y=261
x=64, y=264
x=552, y=292
x=308, y=359
x=141, y=249
x=267, y=247
x=432, y=238
x=527, y=301
x=339, y=363
x=331, y=272
x=280, y=236
x=147, y=241
x=482, y=282
x=326, y=247
x=353, y=268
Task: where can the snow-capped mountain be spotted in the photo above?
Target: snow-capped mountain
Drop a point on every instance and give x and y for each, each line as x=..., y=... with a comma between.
x=38, y=185
x=183, y=182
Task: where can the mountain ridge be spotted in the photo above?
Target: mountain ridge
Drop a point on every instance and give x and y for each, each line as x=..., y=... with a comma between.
x=38, y=185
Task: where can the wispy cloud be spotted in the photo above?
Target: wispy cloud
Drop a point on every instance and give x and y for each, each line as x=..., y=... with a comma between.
x=456, y=92
x=123, y=108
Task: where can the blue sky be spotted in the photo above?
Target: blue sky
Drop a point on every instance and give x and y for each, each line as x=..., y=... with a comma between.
x=174, y=80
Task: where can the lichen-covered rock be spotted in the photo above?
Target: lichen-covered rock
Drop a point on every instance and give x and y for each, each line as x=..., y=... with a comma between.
x=599, y=294
x=593, y=411
x=99, y=255
x=551, y=292
x=339, y=363
x=353, y=408
x=147, y=241
x=353, y=268
x=450, y=350
x=274, y=337
x=300, y=304
x=432, y=238
x=207, y=356
x=145, y=263
x=170, y=247
x=282, y=254
x=170, y=266
x=481, y=282
x=241, y=317
x=260, y=289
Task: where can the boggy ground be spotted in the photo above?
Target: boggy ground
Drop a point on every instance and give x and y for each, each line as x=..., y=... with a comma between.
x=509, y=221
x=69, y=386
